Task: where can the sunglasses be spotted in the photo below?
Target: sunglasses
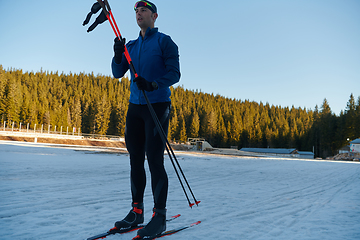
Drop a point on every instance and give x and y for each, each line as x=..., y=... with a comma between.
x=143, y=4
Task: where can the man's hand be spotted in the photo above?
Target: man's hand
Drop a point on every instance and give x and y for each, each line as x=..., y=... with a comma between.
x=142, y=84
x=119, y=49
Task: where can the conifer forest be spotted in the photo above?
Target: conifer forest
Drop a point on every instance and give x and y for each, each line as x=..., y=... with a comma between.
x=98, y=104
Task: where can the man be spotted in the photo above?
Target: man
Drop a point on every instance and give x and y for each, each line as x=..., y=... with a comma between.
x=156, y=59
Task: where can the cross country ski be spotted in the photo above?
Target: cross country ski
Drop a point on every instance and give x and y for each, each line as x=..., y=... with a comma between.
x=126, y=230
x=169, y=232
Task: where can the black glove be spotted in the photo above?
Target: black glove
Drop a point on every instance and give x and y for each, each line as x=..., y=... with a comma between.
x=119, y=49
x=142, y=84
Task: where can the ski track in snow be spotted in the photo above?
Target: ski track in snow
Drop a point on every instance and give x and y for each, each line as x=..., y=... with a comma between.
x=52, y=193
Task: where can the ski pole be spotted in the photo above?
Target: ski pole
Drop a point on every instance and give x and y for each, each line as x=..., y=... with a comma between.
x=161, y=131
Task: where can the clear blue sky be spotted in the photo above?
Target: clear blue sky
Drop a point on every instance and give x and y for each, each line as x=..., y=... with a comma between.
x=284, y=52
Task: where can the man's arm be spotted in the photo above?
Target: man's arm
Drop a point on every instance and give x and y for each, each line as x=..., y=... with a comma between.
x=171, y=59
x=120, y=69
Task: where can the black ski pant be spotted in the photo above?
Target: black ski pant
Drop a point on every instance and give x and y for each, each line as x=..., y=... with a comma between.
x=142, y=138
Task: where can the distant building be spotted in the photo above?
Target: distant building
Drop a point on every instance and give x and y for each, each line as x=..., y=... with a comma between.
x=200, y=144
x=281, y=152
x=270, y=150
x=345, y=149
x=355, y=146
x=307, y=155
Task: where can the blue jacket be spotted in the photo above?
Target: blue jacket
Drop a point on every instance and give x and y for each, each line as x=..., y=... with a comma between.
x=155, y=58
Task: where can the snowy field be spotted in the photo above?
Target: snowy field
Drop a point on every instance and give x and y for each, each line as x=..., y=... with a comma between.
x=56, y=193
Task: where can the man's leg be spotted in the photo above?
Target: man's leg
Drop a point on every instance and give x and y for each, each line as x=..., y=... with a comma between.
x=155, y=154
x=159, y=180
x=135, y=143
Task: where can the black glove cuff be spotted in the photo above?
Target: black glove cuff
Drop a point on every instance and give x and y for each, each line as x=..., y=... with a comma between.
x=118, y=59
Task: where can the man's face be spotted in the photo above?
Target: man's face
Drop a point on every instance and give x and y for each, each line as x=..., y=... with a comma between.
x=145, y=18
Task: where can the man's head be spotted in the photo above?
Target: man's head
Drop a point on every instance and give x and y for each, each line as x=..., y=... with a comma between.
x=146, y=15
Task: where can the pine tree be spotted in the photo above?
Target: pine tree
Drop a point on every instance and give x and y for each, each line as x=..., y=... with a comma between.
x=326, y=129
x=173, y=126
x=25, y=107
x=11, y=97
x=76, y=113
x=195, y=125
x=182, y=133
x=357, y=119
x=2, y=93
x=210, y=121
x=221, y=135
x=351, y=118
x=102, y=116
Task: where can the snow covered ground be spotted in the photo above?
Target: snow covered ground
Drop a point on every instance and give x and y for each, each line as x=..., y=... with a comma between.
x=54, y=193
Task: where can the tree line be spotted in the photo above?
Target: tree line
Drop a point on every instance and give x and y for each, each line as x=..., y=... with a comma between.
x=98, y=104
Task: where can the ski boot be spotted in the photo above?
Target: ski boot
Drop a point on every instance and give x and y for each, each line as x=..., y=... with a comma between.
x=156, y=225
x=134, y=217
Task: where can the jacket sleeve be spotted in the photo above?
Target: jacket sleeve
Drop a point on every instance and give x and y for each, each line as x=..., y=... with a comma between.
x=171, y=59
x=120, y=69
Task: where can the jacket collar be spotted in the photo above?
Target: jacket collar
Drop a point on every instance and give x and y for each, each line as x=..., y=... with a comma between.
x=149, y=32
